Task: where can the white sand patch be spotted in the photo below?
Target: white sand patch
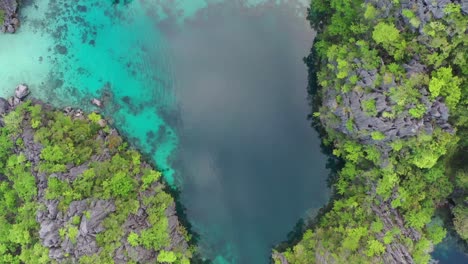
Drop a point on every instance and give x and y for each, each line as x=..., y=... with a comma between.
x=20, y=53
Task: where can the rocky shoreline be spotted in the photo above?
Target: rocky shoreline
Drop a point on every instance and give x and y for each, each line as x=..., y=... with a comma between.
x=11, y=22
x=88, y=215
x=391, y=98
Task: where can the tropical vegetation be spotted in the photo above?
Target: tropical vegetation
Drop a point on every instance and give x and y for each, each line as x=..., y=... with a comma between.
x=388, y=190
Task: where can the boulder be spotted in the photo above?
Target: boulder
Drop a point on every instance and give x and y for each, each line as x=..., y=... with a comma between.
x=280, y=257
x=13, y=101
x=4, y=106
x=21, y=91
x=75, y=171
x=96, y=102
x=464, y=6
x=98, y=210
x=49, y=234
x=15, y=21
x=11, y=29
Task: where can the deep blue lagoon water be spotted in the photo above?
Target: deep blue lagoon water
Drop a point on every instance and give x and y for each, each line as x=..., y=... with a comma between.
x=450, y=251
x=213, y=91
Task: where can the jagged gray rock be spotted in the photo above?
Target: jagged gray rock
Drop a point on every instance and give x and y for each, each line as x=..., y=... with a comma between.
x=280, y=257
x=424, y=11
x=11, y=22
x=21, y=91
x=178, y=239
x=4, y=106
x=86, y=215
x=464, y=6
x=75, y=171
x=395, y=253
x=348, y=107
x=49, y=234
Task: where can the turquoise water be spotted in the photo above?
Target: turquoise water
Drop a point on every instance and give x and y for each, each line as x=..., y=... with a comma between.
x=213, y=91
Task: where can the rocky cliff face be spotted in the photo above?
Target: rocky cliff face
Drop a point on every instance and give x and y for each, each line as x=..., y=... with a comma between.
x=376, y=106
x=351, y=109
x=89, y=215
x=390, y=82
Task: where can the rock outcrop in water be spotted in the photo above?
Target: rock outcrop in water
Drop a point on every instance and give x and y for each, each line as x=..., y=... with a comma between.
x=21, y=91
x=103, y=204
x=10, y=19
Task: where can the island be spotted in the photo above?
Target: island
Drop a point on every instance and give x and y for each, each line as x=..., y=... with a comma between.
x=73, y=191
x=392, y=102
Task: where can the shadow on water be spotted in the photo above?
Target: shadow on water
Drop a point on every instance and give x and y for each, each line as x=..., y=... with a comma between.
x=334, y=164
x=251, y=164
x=111, y=105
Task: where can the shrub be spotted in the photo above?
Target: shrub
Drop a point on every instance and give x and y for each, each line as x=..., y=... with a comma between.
x=149, y=177
x=133, y=239
x=120, y=185
x=385, y=33
x=461, y=220
x=166, y=257
x=375, y=248
x=369, y=106
x=377, y=135
x=444, y=83
x=94, y=117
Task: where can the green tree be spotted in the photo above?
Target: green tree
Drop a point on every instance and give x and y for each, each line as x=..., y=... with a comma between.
x=166, y=257
x=444, y=83
x=385, y=33
x=133, y=239
x=461, y=220
x=375, y=247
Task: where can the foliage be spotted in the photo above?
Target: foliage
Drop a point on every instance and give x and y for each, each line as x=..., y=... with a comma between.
x=444, y=83
x=166, y=257
x=112, y=173
x=2, y=15
x=375, y=248
x=385, y=33
x=94, y=117
x=133, y=239
x=404, y=177
x=369, y=107
x=461, y=220
x=377, y=135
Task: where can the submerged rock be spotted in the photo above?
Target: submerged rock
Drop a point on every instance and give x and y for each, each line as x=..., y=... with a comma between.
x=96, y=102
x=61, y=49
x=11, y=29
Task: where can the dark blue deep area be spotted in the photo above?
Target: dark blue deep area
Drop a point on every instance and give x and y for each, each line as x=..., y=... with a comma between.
x=251, y=163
